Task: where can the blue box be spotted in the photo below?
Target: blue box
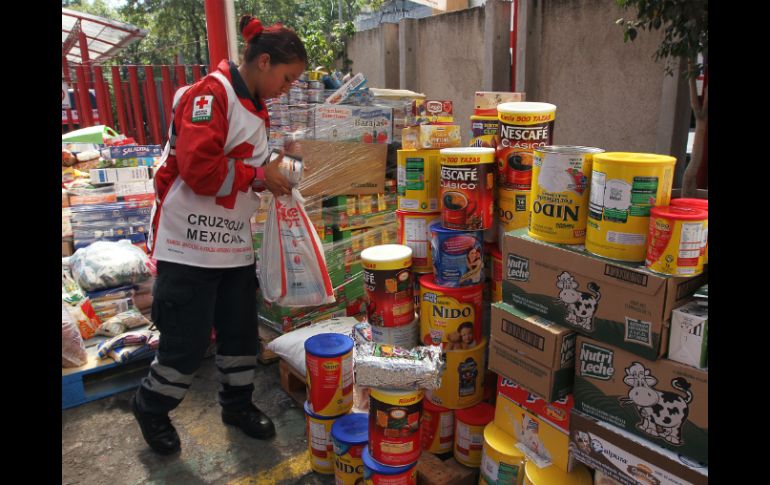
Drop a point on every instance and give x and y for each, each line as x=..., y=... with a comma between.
x=132, y=151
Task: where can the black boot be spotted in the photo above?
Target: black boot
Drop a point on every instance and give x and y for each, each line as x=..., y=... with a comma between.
x=157, y=430
x=251, y=421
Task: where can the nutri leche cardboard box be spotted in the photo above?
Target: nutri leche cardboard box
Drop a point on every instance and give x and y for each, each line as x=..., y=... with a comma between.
x=613, y=302
x=662, y=401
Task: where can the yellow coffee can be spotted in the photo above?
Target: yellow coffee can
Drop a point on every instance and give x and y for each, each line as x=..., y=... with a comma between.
x=551, y=475
x=501, y=460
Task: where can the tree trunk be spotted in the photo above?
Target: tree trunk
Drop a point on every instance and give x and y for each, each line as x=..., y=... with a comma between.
x=700, y=110
x=690, y=178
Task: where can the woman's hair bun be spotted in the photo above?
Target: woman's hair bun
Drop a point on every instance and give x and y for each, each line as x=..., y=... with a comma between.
x=245, y=19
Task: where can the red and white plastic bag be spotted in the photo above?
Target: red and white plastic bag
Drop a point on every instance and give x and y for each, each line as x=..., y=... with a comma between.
x=292, y=264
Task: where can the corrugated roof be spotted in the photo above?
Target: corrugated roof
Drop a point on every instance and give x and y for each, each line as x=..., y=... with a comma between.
x=105, y=37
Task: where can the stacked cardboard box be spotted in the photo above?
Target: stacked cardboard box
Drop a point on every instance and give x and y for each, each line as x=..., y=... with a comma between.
x=621, y=314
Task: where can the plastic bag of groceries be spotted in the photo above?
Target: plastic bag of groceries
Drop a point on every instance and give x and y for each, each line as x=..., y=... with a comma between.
x=78, y=305
x=73, y=351
x=292, y=269
x=107, y=264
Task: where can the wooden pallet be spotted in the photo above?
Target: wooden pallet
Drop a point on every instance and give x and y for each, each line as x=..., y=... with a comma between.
x=267, y=335
x=432, y=470
x=292, y=382
x=100, y=378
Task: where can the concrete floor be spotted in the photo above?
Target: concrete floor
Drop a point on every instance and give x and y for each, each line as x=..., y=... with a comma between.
x=102, y=443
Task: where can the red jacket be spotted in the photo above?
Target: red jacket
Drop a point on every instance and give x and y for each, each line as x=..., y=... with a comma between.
x=217, y=144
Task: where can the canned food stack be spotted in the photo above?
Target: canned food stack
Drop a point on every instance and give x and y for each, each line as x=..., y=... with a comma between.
x=394, y=415
x=291, y=114
x=418, y=178
x=329, y=378
x=451, y=298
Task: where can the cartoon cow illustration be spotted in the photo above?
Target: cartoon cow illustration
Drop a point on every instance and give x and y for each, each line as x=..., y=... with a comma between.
x=663, y=413
x=581, y=306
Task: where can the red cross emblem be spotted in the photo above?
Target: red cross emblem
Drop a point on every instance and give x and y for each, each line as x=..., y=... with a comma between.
x=202, y=102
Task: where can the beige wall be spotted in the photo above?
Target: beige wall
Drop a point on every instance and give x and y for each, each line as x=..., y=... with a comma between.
x=608, y=93
x=450, y=61
x=365, y=50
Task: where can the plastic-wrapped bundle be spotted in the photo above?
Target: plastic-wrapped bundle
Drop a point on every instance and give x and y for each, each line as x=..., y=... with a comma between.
x=78, y=304
x=73, y=351
x=386, y=366
x=128, y=339
x=109, y=264
x=122, y=322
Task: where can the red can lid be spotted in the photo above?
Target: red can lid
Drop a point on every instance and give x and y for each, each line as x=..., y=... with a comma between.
x=429, y=282
x=479, y=415
x=427, y=405
x=697, y=203
x=679, y=213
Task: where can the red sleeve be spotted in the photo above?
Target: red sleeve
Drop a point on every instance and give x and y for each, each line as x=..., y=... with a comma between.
x=200, y=144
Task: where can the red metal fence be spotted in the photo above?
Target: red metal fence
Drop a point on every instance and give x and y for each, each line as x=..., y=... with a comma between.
x=134, y=100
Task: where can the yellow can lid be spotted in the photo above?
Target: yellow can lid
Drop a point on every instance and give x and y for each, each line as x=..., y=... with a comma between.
x=552, y=475
x=501, y=441
x=635, y=158
x=396, y=396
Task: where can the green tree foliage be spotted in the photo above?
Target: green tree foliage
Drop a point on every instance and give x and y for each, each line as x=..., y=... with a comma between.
x=684, y=24
x=685, y=29
x=177, y=28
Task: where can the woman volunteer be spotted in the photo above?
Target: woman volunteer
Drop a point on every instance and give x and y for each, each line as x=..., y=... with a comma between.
x=215, y=159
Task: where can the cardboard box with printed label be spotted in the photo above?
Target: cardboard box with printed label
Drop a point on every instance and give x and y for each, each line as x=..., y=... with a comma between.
x=557, y=412
x=132, y=151
x=688, y=342
x=365, y=124
x=539, y=355
x=431, y=137
x=610, y=301
x=628, y=459
x=431, y=111
x=339, y=168
x=662, y=401
x=486, y=101
x=134, y=188
x=542, y=443
x=113, y=175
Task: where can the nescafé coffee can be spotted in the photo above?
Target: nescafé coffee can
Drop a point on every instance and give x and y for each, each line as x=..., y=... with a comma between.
x=388, y=284
x=467, y=188
x=524, y=126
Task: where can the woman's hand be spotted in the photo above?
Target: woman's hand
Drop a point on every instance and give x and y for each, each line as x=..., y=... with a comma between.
x=275, y=182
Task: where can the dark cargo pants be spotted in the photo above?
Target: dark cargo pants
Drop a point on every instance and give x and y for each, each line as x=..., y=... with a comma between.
x=187, y=302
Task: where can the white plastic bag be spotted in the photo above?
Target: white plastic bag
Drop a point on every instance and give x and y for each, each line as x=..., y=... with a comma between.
x=106, y=264
x=291, y=346
x=73, y=351
x=292, y=269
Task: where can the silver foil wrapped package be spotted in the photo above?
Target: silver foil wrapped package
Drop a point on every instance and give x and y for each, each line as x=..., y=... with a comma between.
x=387, y=366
